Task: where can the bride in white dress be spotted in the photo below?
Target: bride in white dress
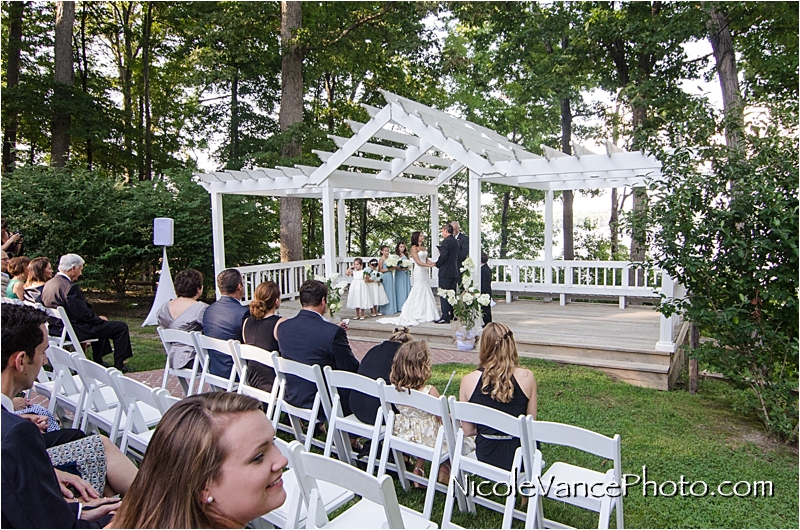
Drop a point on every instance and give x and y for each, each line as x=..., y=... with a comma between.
x=420, y=305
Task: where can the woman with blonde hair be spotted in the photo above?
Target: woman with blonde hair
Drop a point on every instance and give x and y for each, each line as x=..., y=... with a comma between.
x=499, y=383
x=377, y=364
x=212, y=463
x=259, y=330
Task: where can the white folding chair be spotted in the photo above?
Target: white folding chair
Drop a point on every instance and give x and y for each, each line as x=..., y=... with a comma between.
x=521, y=467
x=313, y=374
x=186, y=376
x=341, y=425
x=436, y=455
x=294, y=511
x=166, y=400
x=202, y=345
x=247, y=352
x=561, y=472
x=378, y=507
x=68, y=335
x=139, y=402
x=67, y=393
x=101, y=404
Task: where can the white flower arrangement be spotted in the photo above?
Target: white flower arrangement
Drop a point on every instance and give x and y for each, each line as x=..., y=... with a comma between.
x=392, y=261
x=404, y=263
x=336, y=290
x=376, y=276
x=466, y=299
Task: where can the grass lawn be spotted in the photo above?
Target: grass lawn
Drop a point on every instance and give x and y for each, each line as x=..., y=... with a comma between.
x=674, y=434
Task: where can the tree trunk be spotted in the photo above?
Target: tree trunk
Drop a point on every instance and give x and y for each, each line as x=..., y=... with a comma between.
x=504, y=225
x=148, y=133
x=719, y=35
x=291, y=113
x=64, y=78
x=12, y=80
x=233, y=160
x=85, y=82
x=613, y=224
x=567, y=196
x=638, y=235
x=363, y=231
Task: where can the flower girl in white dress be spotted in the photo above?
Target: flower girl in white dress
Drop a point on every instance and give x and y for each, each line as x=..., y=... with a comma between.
x=376, y=289
x=359, y=296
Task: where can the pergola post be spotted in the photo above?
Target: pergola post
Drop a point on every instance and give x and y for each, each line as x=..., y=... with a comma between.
x=340, y=231
x=548, y=240
x=434, y=246
x=329, y=235
x=475, y=224
x=218, y=237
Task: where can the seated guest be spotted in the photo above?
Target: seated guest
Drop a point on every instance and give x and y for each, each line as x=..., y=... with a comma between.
x=39, y=271
x=499, y=383
x=309, y=339
x=18, y=270
x=211, y=463
x=259, y=330
x=184, y=313
x=377, y=364
x=223, y=319
x=4, y=272
x=62, y=291
x=12, y=243
x=31, y=495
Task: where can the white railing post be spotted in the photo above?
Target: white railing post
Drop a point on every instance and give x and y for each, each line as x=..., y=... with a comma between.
x=548, y=241
x=665, y=342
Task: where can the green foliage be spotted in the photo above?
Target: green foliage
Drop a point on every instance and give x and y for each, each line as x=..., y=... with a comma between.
x=110, y=223
x=727, y=229
x=591, y=246
x=521, y=223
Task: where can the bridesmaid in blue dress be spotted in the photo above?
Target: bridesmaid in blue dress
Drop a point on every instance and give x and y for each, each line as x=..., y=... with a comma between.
x=388, y=283
x=402, y=279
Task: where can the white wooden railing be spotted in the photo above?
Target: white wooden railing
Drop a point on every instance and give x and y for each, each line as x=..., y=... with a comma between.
x=567, y=279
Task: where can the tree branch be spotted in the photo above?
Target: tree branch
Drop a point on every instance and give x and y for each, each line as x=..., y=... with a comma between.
x=358, y=23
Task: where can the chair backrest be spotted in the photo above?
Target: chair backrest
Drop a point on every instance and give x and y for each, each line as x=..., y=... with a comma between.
x=575, y=437
x=130, y=393
x=62, y=361
x=505, y=423
x=91, y=374
x=337, y=379
x=313, y=374
x=204, y=343
x=177, y=336
x=311, y=468
x=166, y=401
x=248, y=352
x=69, y=331
x=424, y=402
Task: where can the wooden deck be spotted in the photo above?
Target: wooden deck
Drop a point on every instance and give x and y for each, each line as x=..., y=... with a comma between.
x=620, y=342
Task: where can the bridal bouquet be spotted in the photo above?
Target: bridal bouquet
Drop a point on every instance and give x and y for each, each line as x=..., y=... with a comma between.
x=336, y=290
x=466, y=299
x=392, y=261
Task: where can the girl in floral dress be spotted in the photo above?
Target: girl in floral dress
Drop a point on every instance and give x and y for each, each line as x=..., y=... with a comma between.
x=411, y=370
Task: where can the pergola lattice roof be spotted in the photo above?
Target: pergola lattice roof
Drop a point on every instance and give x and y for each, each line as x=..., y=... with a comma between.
x=423, y=148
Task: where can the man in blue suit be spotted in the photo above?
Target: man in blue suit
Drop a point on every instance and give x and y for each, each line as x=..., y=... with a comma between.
x=31, y=493
x=224, y=318
x=310, y=339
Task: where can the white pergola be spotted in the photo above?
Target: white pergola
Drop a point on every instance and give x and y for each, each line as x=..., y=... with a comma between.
x=410, y=149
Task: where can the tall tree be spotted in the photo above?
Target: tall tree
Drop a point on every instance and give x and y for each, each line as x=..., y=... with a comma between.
x=291, y=114
x=12, y=80
x=64, y=77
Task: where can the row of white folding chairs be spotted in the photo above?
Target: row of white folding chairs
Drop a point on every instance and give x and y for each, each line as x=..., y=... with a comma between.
x=328, y=398
x=105, y=399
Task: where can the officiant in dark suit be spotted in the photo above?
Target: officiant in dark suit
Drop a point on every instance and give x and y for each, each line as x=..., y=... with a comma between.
x=449, y=274
x=309, y=339
x=463, y=243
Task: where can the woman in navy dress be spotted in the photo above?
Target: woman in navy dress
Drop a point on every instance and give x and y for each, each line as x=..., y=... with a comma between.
x=402, y=279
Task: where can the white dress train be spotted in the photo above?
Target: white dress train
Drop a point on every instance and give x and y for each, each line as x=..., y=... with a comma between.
x=420, y=305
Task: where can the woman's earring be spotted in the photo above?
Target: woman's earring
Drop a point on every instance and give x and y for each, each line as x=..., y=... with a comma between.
x=210, y=499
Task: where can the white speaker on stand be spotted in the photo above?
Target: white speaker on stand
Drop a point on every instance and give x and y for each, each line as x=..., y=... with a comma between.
x=163, y=235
